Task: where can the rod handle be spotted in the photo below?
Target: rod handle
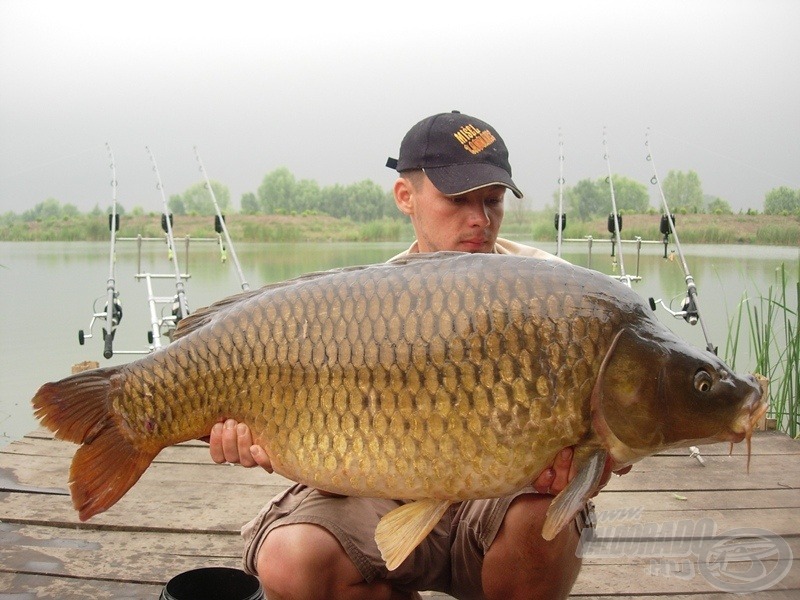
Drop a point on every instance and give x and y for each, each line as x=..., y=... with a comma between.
x=107, y=351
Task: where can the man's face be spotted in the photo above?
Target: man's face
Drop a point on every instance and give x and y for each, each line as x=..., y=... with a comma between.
x=467, y=223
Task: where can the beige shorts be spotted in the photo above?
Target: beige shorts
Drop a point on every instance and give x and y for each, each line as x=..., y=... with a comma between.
x=449, y=559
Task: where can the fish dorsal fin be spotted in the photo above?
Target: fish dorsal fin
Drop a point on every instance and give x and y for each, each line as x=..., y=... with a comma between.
x=573, y=498
x=204, y=315
x=402, y=530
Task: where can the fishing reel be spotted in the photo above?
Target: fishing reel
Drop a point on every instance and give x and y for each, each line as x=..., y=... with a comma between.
x=688, y=311
x=108, y=332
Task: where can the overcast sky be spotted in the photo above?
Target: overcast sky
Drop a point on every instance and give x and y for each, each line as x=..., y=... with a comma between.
x=329, y=91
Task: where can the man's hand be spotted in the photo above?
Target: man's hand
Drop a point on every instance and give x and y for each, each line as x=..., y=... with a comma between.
x=232, y=442
x=556, y=477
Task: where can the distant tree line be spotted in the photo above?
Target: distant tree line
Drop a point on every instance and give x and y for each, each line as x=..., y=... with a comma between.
x=589, y=199
x=782, y=201
x=280, y=193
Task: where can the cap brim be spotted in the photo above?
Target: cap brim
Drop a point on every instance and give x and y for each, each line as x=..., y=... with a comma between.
x=454, y=180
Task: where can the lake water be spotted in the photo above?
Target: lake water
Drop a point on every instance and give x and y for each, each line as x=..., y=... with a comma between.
x=47, y=291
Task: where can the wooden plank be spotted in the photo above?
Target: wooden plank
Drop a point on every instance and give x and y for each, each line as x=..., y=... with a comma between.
x=110, y=562
x=763, y=595
x=627, y=502
x=667, y=569
x=665, y=578
x=28, y=586
x=53, y=472
x=671, y=473
x=188, y=544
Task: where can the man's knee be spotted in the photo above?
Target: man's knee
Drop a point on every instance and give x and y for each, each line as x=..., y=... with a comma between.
x=294, y=558
x=537, y=565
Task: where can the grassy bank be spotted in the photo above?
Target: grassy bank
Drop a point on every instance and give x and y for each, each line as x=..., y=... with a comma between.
x=768, y=230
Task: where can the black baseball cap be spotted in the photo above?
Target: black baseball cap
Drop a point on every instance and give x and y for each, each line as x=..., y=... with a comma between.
x=458, y=153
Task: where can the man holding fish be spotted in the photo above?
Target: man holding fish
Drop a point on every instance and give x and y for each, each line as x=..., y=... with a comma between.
x=453, y=175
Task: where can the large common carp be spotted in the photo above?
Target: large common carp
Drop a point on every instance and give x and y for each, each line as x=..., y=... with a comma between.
x=435, y=378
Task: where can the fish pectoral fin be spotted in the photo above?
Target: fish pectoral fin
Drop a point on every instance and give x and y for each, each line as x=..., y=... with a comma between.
x=402, y=530
x=573, y=498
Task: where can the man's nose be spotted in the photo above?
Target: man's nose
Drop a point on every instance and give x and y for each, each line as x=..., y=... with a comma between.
x=479, y=214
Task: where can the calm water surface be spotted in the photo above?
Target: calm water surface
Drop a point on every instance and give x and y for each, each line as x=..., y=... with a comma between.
x=47, y=291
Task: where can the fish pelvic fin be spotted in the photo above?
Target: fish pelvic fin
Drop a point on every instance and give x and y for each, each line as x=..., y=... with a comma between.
x=402, y=529
x=573, y=498
x=77, y=409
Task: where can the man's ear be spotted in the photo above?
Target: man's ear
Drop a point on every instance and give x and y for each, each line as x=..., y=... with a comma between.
x=403, y=192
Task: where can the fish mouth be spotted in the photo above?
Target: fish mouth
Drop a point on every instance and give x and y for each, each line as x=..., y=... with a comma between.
x=752, y=410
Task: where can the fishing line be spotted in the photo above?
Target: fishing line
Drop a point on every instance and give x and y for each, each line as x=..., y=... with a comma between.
x=615, y=217
x=183, y=306
x=691, y=310
x=113, y=309
x=561, y=218
x=112, y=312
x=221, y=221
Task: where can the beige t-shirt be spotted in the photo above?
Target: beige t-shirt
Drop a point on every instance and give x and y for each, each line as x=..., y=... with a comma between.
x=501, y=246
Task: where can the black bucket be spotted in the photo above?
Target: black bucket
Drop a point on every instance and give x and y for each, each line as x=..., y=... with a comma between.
x=213, y=583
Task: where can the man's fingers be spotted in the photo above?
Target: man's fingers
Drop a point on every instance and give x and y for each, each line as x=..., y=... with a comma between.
x=215, y=444
x=243, y=442
x=230, y=444
x=260, y=458
x=563, y=471
x=544, y=481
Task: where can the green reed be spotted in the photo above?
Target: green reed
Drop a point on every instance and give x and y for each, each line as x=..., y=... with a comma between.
x=774, y=346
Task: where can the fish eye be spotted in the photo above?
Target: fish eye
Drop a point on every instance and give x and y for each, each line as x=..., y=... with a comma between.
x=702, y=381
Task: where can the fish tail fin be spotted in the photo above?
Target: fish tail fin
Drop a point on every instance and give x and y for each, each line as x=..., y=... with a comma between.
x=573, y=498
x=402, y=529
x=106, y=465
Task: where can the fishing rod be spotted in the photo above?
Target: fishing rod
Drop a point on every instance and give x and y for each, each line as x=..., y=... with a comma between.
x=182, y=308
x=561, y=218
x=690, y=311
x=113, y=309
x=220, y=224
x=614, y=219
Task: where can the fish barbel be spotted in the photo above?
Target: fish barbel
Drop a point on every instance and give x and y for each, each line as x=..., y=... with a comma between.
x=435, y=378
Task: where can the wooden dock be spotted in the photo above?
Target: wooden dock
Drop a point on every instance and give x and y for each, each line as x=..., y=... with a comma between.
x=671, y=529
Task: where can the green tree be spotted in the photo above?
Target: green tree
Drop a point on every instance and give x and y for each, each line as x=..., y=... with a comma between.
x=175, y=205
x=48, y=209
x=69, y=211
x=276, y=191
x=717, y=206
x=631, y=196
x=683, y=191
x=197, y=198
x=366, y=201
x=249, y=204
x=332, y=199
x=587, y=199
x=782, y=200
x=306, y=196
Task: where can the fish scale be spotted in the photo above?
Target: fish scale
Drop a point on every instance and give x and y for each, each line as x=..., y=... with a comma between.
x=437, y=378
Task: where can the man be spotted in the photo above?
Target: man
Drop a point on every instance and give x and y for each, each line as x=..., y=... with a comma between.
x=306, y=544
